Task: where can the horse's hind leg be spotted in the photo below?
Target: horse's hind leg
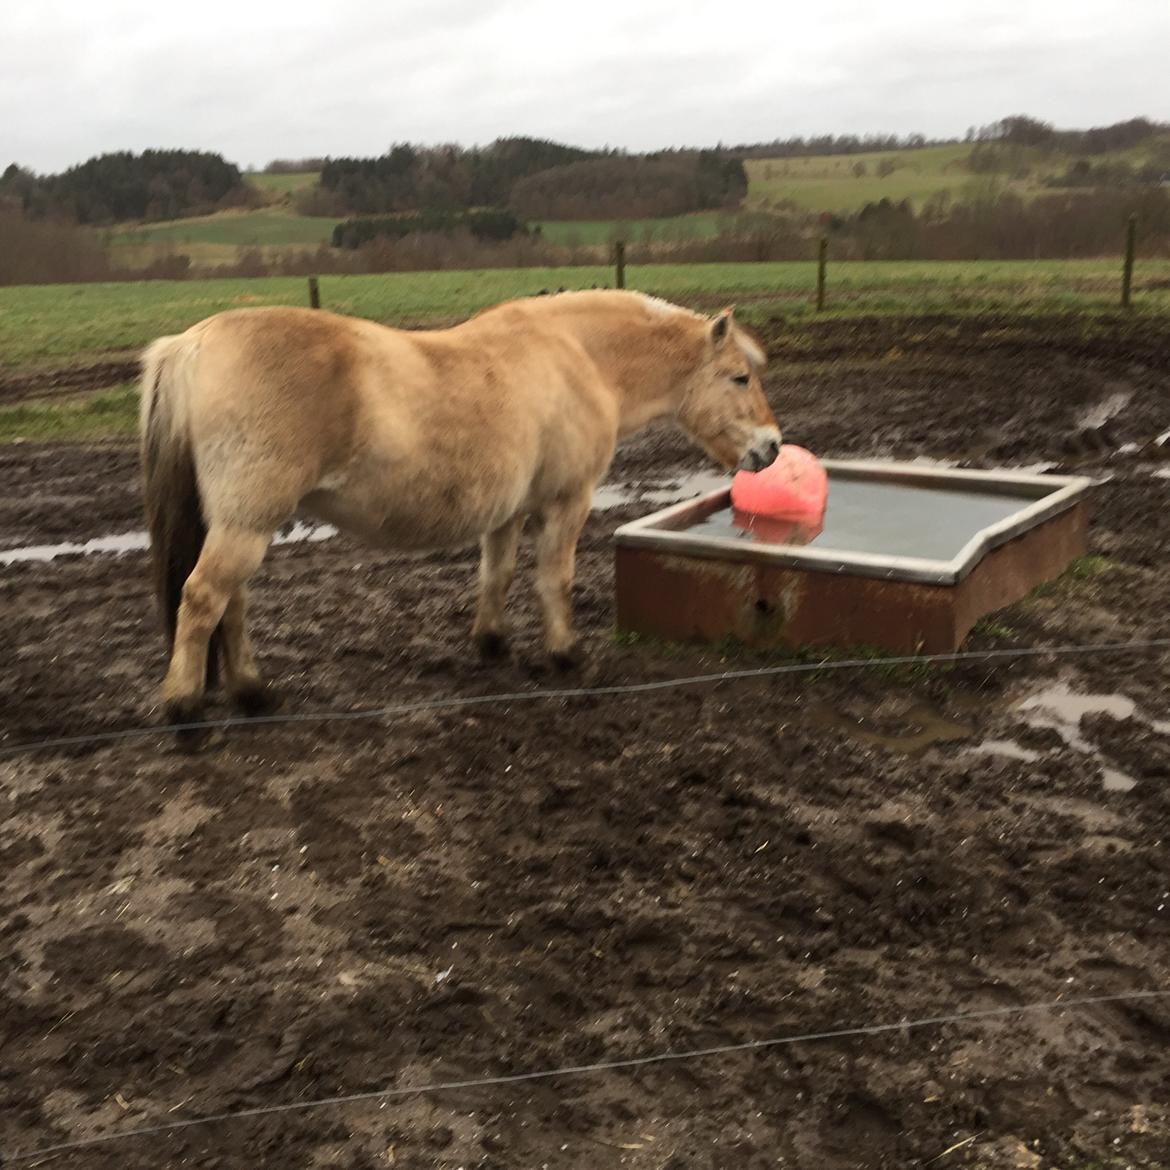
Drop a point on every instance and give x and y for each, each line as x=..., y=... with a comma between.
x=241, y=675
x=228, y=558
x=497, y=566
x=556, y=557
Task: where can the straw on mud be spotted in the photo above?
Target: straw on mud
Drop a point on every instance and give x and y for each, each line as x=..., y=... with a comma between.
x=575, y=1070
x=564, y=693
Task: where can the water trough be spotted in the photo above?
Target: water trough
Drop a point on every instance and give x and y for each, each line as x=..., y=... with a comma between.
x=908, y=558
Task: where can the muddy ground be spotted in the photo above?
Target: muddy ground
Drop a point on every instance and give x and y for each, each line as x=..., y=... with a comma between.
x=328, y=908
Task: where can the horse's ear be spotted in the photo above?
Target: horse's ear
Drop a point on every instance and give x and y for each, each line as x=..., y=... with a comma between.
x=721, y=326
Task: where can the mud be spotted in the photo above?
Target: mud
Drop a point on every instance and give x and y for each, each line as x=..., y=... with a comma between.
x=48, y=383
x=327, y=908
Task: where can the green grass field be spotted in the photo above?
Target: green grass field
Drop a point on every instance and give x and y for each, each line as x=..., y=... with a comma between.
x=239, y=228
x=828, y=183
x=281, y=184
x=45, y=325
x=107, y=414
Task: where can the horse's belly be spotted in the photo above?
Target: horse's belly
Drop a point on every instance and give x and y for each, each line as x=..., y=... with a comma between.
x=414, y=519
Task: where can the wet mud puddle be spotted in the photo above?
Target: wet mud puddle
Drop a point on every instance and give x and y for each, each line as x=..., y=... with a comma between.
x=1060, y=708
x=909, y=728
x=894, y=724
x=139, y=541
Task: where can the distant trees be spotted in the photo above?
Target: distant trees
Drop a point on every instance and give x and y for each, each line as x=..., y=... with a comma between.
x=47, y=251
x=994, y=224
x=832, y=144
x=113, y=188
x=1022, y=130
x=632, y=187
x=533, y=177
x=410, y=178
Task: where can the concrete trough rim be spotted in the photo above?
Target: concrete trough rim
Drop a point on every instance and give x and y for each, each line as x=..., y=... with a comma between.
x=1054, y=494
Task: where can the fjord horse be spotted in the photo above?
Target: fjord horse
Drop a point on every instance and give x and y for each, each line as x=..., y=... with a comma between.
x=413, y=440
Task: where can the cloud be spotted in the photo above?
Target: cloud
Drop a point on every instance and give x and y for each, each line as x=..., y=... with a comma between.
x=257, y=79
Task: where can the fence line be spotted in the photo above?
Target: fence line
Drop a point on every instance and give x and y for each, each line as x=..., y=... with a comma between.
x=454, y=702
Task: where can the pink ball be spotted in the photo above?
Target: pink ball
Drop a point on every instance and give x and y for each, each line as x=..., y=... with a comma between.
x=794, y=487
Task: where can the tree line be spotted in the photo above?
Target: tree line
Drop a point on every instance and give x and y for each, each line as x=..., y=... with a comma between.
x=114, y=188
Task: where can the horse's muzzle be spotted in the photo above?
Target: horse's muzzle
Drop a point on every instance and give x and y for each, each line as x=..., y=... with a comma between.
x=762, y=453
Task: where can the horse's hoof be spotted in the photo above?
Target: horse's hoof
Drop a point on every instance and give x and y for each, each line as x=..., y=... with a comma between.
x=492, y=645
x=258, y=698
x=568, y=659
x=179, y=714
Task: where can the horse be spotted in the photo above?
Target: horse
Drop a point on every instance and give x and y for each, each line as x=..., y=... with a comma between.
x=413, y=439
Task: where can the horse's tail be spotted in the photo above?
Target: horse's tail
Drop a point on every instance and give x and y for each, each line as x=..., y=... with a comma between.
x=174, y=509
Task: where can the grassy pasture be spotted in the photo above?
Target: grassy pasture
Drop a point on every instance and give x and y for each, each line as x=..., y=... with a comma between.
x=46, y=325
x=108, y=414
x=267, y=226
x=281, y=184
x=829, y=182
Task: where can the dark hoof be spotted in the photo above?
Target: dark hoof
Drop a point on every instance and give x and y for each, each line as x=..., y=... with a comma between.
x=492, y=646
x=567, y=660
x=181, y=712
x=258, y=699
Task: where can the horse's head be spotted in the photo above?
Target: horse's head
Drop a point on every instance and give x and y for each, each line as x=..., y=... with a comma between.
x=724, y=408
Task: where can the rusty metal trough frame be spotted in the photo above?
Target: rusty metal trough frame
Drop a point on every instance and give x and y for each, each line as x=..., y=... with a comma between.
x=678, y=585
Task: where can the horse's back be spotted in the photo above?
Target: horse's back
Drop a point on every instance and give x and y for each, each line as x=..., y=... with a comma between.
x=397, y=430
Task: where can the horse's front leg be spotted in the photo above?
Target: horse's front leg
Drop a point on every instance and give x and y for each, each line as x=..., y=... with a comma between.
x=497, y=565
x=556, y=557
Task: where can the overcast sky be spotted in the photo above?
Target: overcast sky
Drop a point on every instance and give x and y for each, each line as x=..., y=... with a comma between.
x=258, y=79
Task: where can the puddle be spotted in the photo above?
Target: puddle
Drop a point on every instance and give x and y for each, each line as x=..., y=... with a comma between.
x=920, y=727
x=1059, y=708
x=1007, y=748
x=1097, y=415
x=123, y=543
x=138, y=542
x=1115, y=781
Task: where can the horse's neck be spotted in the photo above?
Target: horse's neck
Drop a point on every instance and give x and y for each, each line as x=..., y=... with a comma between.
x=646, y=364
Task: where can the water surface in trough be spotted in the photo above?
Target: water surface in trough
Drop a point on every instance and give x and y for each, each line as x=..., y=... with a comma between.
x=887, y=519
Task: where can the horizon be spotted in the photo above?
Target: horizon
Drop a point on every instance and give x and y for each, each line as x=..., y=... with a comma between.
x=253, y=166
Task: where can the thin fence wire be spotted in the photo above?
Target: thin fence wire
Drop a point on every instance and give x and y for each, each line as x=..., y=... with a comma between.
x=455, y=702
x=577, y=1070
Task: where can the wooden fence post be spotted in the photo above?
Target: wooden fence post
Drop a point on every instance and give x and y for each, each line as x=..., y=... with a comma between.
x=314, y=294
x=619, y=259
x=1127, y=270
x=822, y=256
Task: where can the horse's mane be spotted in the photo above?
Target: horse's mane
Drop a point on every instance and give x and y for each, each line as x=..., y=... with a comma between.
x=656, y=304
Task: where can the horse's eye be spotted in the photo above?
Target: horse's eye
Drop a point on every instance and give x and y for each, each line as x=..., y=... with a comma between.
x=742, y=379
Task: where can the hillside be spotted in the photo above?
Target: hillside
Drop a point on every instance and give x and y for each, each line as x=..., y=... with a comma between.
x=845, y=183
